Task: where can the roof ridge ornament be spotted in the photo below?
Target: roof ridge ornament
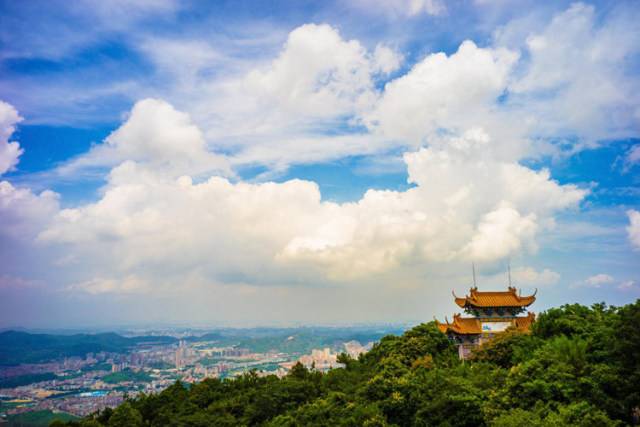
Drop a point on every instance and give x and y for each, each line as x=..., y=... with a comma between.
x=473, y=268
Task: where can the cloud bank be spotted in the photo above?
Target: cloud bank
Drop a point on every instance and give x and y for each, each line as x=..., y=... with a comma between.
x=464, y=205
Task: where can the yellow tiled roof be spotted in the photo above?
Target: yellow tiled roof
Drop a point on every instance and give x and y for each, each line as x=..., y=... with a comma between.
x=472, y=326
x=509, y=298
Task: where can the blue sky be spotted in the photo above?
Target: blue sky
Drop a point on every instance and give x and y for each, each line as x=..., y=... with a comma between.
x=313, y=162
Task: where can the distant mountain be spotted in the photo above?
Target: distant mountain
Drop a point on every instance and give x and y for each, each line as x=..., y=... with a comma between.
x=210, y=336
x=22, y=347
x=292, y=340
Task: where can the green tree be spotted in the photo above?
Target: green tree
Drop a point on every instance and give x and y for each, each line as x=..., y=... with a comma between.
x=125, y=416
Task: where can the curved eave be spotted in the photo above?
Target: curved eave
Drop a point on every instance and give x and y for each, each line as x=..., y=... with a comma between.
x=443, y=327
x=520, y=302
x=462, y=302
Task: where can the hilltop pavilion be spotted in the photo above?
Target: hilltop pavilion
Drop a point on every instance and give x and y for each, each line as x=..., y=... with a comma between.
x=490, y=313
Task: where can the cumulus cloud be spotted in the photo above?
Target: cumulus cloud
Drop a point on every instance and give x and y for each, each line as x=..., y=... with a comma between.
x=158, y=135
x=442, y=92
x=23, y=215
x=534, y=95
x=528, y=95
x=167, y=209
x=317, y=75
x=462, y=207
x=22, y=212
x=285, y=110
x=9, y=151
x=633, y=229
x=501, y=232
x=172, y=214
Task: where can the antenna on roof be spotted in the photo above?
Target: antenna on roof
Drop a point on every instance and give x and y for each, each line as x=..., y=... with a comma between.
x=473, y=267
x=509, y=271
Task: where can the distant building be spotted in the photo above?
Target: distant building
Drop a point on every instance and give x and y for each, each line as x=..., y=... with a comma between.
x=355, y=349
x=491, y=313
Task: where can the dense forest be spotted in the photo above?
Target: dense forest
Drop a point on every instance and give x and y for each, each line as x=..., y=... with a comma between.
x=579, y=366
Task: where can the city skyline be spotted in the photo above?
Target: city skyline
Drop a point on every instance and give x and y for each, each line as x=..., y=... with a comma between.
x=299, y=163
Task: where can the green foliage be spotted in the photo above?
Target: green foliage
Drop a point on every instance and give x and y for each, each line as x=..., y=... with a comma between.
x=39, y=418
x=334, y=410
x=508, y=349
x=126, y=375
x=579, y=366
x=125, y=416
x=580, y=414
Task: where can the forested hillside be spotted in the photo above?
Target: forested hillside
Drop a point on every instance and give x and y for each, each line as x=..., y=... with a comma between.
x=579, y=367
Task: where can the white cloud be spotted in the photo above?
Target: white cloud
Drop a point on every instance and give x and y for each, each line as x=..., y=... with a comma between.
x=451, y=94
x=633, y=229
x=542, y=88
x=386, y=60
x=317, y=75
x=501, y=232
x=598, y=280
x=9, y=151
x=595, y=281
x=158, y=135
x=22, y=212
x=285, y=110
x=462, y=207
x=472, y=199
x=576, y=79
x=282, y=111
x=166, y=219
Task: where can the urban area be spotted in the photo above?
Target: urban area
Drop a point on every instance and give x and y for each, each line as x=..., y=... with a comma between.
x=79, y=385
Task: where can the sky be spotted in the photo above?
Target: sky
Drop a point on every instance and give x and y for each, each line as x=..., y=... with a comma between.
x=295, y=163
